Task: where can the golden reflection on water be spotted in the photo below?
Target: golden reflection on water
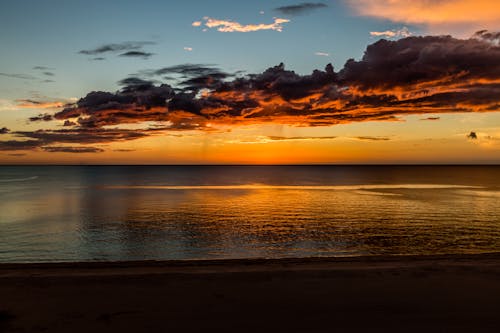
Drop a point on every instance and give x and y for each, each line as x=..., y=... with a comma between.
x=87, y=220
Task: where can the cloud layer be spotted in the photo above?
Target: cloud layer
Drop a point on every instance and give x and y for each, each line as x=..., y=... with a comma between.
x=414, y=75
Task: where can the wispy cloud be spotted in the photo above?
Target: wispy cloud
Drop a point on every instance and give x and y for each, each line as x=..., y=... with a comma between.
x=43, y=68
x=42, y=104
x=291, y=138
x=74, y=150
x=189, y=49
x=137, y=54
x=372, y=138
x=117, y=47
x=392, y=34
x=19, y=76
x=233, y=26
x=322, y=54
x=41, y=117
x=301, y=8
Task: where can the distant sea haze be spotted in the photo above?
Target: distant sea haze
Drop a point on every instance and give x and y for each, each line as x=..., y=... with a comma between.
x=115, y=213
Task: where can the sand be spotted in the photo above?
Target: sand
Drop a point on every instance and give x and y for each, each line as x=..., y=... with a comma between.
x=371, y=294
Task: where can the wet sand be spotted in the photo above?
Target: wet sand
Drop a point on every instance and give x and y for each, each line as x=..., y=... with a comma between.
x=456, y=293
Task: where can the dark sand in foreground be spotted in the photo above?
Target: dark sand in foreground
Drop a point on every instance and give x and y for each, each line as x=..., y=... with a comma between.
x=373, y=294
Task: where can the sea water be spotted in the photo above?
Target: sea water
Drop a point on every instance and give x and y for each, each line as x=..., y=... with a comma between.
x=114, y=213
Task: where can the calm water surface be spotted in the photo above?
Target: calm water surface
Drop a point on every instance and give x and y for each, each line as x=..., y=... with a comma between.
x=86, y=213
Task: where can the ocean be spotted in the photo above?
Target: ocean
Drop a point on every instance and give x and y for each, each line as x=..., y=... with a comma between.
x=121, y=213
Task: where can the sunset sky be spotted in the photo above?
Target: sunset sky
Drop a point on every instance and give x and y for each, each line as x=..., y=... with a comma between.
x=271, y=82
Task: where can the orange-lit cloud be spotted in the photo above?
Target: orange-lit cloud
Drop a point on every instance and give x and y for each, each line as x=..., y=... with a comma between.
x=395, y=33
x=465, y=16
x=34, y=104
x=232, y=26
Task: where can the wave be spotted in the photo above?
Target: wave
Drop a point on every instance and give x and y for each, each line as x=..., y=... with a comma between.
x=18, y=179
x=291, y=187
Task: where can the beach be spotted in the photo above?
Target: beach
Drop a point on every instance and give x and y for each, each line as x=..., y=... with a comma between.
x=449, y=293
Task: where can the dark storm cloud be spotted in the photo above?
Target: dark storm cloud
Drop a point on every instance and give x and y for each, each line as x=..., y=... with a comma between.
x=4, y=130
x=137, y=54
x=302, y=8
x=76, y=150
x=118, y=47
x=139, y=101
x=415, y=60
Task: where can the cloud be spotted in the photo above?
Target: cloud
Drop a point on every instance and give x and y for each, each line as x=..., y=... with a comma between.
x=41, y=104
x=395, y=33
x=19, y=145
x=98, y=58
x=137, y=54
x=372, y=138
x=472, y=136
x=18, y=76
x=232, y=26
x=302, y=8
x=196, y=23
x=17, y=154
x=42, y=68
x=123, y=150
x=43, y=139
x=487, y=36
x=4, y=130
x=77, y=150
x=115, y=48
x=414, y=75
x=322, y=54
x=461, y=16
x=431, y=118
x=41, y=117
x=189, y=49
x=290, y=138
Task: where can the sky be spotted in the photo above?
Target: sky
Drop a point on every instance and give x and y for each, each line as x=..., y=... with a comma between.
x=253, y=82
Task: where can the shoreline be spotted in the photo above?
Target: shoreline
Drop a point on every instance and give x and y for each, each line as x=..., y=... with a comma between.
x=255, y=263
x=458, y=293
